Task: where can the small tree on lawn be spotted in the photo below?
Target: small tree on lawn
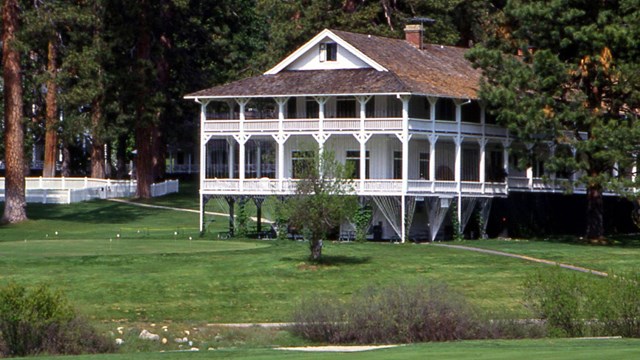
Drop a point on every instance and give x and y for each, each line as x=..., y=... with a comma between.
x=323, y=198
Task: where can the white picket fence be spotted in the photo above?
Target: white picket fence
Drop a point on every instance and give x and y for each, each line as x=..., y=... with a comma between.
x=70, y=190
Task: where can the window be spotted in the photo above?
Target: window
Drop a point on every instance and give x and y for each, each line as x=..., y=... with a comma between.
x=346, y=107
x=424, y=166
x=445, y=110
x=292, y=108
x=328, y=52
x=353, y=163
x=370, y=108
x=470, y=165
x=494, y=171
x=471, y=112
x=332, y=51
x=313, y=108
x=301, y=161
x=397, y=164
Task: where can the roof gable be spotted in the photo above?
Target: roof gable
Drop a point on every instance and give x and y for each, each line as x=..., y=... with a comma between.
x=380, y=66
x=305, y=57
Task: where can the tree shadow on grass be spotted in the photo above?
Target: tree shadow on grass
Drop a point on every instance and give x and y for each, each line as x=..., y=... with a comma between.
x=332, y=260
x=90, y=212
x=614, y=241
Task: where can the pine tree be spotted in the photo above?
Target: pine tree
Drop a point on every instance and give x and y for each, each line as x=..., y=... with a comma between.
x=576, y=88
x=15, y=201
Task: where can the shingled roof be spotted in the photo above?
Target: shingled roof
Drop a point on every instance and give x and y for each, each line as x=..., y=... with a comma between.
x=434, y=70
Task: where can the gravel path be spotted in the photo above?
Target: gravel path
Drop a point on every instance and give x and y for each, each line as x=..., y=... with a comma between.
x=334, y=348
x=523, y=257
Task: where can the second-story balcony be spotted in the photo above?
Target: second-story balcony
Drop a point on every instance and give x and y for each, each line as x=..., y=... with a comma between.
x=303, y=125
x=346, y=114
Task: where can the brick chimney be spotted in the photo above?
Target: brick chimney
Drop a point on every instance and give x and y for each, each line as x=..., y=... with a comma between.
x=413, y=34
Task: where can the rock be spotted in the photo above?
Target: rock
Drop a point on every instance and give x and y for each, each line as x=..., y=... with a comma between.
x=180, y=340
x=194, y=349
x=146, y=335
x=119, y=341
x=164, y=340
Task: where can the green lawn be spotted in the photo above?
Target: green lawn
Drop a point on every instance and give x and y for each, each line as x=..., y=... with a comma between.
x=124, y=265
x=622, y=257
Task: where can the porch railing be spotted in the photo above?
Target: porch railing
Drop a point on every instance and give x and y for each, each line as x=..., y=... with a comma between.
x=370, y=186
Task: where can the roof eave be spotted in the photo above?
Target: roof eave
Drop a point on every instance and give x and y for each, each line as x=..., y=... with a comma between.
x=227, y=97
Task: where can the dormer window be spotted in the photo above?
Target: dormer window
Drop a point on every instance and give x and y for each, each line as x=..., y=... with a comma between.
x=328, y=52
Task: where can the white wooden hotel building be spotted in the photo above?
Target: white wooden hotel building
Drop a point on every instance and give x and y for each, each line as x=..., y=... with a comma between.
x=406, y=114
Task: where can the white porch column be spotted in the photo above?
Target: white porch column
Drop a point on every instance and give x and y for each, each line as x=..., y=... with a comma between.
x=280, y=139
x=433, y=139
x=281, y=103
x=458, y=178
x=405, y=138
x=204, y=139
x=362, y=138
x=458, y=167
x=432, y=112
x=242, y=140
x=362, y=100
x=322, y=100
x=242, y=103
x=405, y=142
x=483, y=154
x=258, y=159
x=232, y=157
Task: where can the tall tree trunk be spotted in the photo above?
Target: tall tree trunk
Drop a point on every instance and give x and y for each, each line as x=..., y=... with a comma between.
x=97, y=145
x=51, y=121
x=15, y=201
x=144, y=168
x=144, y=127
x=159, y=154
x=595, y=224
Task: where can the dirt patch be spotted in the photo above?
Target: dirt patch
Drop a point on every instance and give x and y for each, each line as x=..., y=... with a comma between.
x=337, y=348
x=307, y=267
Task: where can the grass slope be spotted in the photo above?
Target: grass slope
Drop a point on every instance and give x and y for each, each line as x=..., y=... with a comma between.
x=129, y=266
x=472, y=350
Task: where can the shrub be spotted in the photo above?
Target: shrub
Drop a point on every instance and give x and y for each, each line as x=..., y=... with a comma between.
x=557, y=297
x=41, y=320
x=400, y=313
x=362, y=221
x=578, y=305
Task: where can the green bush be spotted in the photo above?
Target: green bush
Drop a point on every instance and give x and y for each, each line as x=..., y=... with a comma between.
x=584, y=305
x=557, y=297
x=40, y=320
x=362, y=221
